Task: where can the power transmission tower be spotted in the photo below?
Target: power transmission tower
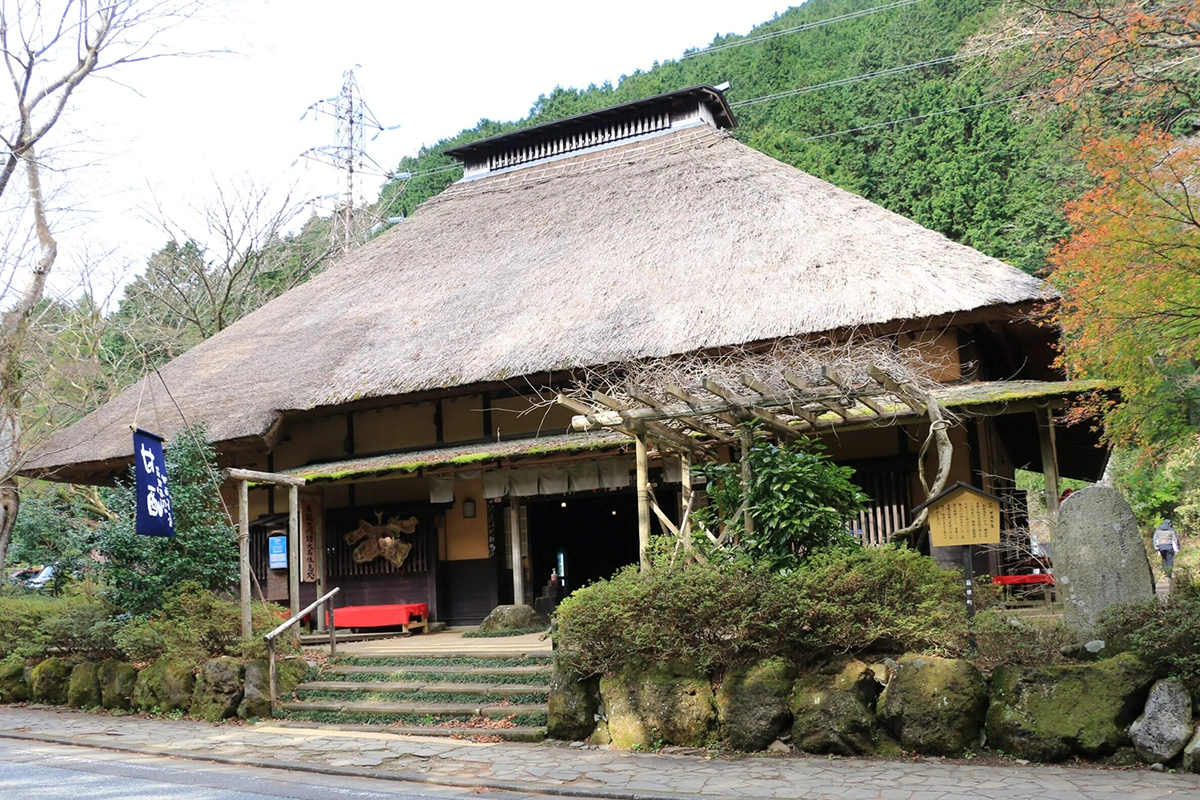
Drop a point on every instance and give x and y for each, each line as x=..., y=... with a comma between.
x=348, y=154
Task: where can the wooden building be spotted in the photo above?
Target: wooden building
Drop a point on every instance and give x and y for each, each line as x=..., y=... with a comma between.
x=417, y=378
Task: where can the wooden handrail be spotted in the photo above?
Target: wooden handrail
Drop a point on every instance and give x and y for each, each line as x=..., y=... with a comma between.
x=270, y=639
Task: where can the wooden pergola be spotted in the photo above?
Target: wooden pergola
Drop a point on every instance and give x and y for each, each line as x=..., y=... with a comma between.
x=694, y=426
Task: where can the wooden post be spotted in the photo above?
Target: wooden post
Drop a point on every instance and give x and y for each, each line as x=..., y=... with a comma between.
x=643, y=502
x=332, y=628
x=514, y=523
x=1046, y=438
x=271, y=675
x=685, y=494
x=747, y=477
x=968, y=555
x=294, y=554
x=244, y=556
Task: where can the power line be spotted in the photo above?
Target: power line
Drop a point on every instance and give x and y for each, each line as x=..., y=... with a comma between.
x=807, y=26
x=914, y=118
x=933, y=62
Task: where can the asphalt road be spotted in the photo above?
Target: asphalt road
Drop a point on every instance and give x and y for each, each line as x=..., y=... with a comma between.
x=35, y=771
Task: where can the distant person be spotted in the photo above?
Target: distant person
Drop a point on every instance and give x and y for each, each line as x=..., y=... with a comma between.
x=1166, y=542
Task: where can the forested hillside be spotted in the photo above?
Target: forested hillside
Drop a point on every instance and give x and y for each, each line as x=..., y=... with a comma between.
x=992, y=177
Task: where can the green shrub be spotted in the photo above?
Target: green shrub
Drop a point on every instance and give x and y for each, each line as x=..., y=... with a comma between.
x=849, y=600
x=1165, y=635
x=37, y=625
x=1004, y=639
x=143, y=572
x=800, y=501
x=194, y=625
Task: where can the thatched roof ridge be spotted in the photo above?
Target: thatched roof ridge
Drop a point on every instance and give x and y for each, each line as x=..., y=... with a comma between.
x=670, y=244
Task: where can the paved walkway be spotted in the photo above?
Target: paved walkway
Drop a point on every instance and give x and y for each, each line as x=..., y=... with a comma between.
x=579, y=771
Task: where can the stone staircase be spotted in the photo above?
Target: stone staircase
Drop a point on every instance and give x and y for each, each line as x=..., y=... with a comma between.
x=500, y=694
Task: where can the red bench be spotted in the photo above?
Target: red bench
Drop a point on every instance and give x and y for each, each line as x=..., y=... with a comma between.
x=1015, y=580
x=407, y=616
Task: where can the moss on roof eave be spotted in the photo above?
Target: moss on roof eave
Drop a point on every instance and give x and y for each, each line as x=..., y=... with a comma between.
x=410, y=467
x=1004, y=393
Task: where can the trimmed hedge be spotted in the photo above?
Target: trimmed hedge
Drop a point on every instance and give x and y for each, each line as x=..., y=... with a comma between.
x=847, y=600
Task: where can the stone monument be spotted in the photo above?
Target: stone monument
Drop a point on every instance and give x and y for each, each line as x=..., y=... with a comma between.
x=1099, y=556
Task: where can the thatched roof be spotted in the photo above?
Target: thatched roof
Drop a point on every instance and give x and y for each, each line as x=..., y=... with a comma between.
x=670, y=244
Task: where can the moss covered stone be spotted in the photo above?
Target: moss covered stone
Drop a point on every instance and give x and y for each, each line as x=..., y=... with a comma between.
x=117, y=682
x=83, y=688
x=49, y=680
x=13, y=688
x=256, y=688
x=165, y=686
x=218, y=689
x=573, y=704
x=1055, y=712
x=833, y=710
x=934, y=706
x=511, y=618
x=649, y=707
x=753, y=703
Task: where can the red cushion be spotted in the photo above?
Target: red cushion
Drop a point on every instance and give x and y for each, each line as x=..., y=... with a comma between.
x=378, y=616
x=1010, y=580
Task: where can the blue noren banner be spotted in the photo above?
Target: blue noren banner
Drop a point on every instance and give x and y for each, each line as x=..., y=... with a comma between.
x=154, y=517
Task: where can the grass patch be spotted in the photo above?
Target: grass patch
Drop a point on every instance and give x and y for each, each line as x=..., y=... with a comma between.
x=500, y=634
x=367, y=696
x=435, y=677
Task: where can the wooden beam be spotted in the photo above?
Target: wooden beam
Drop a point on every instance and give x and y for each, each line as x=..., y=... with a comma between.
x=690, y=422
x=833, y=376
x=1049, y=447
x=294, y=555
x=695, y=403
x=244, y=558
x=651, y=428
x=747, y=479
x=768, y=420
x=643, y=502
x=906, y=394
x=514, y=524
x=273, y=478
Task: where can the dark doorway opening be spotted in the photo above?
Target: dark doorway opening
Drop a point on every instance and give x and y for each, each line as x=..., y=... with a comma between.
x=586, y=538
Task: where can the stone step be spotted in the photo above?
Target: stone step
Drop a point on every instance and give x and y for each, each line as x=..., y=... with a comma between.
x=465, y=654
x=451, y=669
x=414, y=709
x=441, y=687
x=520, y=733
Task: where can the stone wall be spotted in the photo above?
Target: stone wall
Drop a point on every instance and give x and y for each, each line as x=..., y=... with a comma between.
x=217, y=689
x=1111, y=710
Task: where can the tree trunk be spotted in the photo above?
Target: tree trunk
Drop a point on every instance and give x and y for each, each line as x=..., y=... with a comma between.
x=15, y=326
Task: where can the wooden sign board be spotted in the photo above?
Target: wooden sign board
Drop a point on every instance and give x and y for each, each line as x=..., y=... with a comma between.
x=964, y=516
x=312, y=534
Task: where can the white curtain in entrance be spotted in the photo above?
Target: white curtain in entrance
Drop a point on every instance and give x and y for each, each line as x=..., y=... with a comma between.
x=672, y=469
x=441, y=490
x=553, y=480
x=614, y=473
x=584, y=476
x=495, y=484
x=523, y=482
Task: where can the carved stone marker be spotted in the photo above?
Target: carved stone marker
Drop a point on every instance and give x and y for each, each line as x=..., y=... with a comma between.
x=1099, y=556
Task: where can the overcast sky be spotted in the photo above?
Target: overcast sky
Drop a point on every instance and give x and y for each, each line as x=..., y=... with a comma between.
x=178, y=126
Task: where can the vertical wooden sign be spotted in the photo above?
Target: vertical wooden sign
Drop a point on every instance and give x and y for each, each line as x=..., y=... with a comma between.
x=312, y=534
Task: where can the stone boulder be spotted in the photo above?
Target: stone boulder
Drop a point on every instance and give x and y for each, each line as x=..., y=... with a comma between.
x=83, y=689
x=753, y=703
x=218, y=689
x=49, y=680
x=650, y=707
x=934, y=706
x=1099, y=556
x=834, y=710
x=573, y=704
x=1052, y=713
x=117, y=682
x=13, y=688
x=511, y=618
x=1163, y=729
x=1191, y=753
x=256, y=688
x=164, y=686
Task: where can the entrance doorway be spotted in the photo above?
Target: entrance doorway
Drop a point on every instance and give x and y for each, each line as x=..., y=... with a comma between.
x=585, y=538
